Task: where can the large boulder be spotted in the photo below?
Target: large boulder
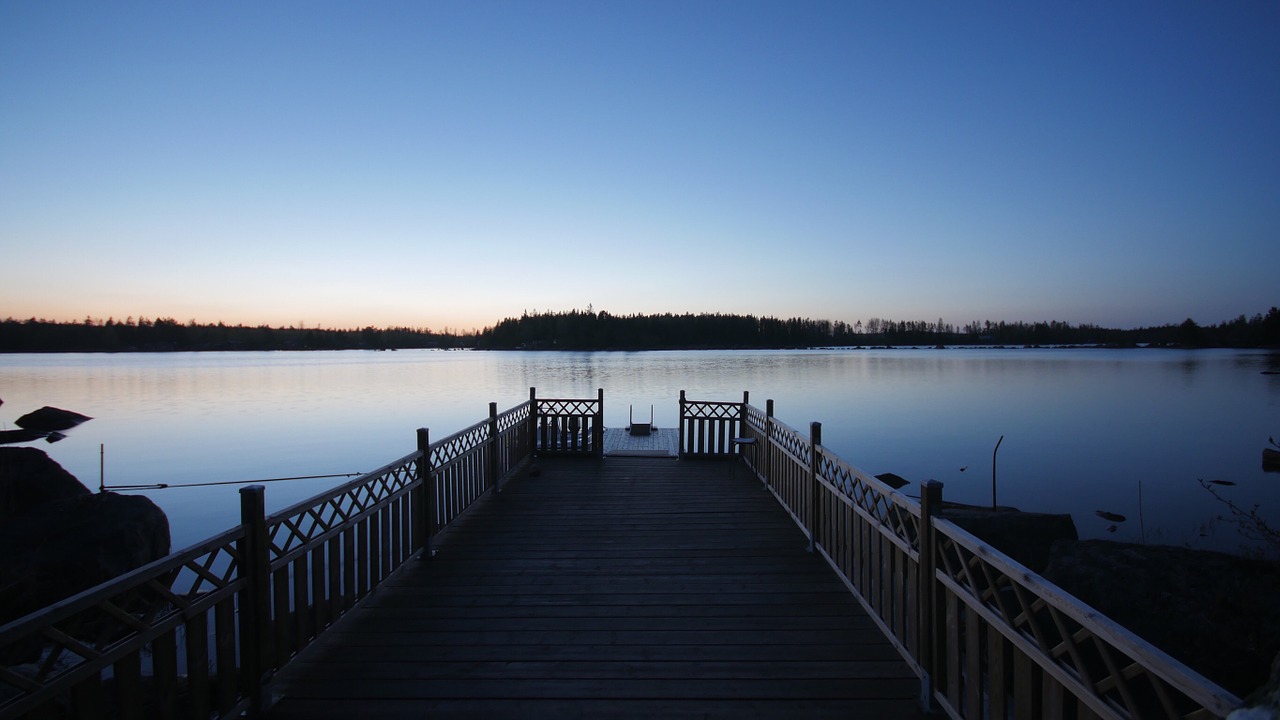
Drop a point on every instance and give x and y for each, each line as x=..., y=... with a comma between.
x=29, y=478
x=1212, y=611
x=49, y=419
x=1026, y=537
x=1263, y=703
x=57, y=538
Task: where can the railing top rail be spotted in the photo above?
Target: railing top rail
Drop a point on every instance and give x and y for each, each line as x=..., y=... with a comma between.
x=437, y=444
x=1194, y=685
x=713, y=402
x=755, y=412
x=892, y=495
x=323, y=497
x=863, y=476
x=518, y=408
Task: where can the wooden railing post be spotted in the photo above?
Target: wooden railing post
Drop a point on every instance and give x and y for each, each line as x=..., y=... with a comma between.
x=680, y=449
x=533, y=421
x=428, y=490
x=255, y=599
x=930, y=505
x=767, y=441
x=815, y=443
x=597, y=427
x=493, y=475
x=742, y=416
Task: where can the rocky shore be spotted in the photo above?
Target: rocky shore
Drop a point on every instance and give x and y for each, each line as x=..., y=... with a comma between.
x=1215, y=613
x=57, y=538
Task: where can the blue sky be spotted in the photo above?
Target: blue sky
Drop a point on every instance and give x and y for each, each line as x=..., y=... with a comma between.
x=442, y=164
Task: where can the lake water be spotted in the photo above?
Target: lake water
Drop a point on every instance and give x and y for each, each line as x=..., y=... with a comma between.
x=1084, y=429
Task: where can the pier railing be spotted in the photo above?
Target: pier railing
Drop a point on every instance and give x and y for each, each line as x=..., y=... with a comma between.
x=198, y=634
x=988, y=637
x=570, y=426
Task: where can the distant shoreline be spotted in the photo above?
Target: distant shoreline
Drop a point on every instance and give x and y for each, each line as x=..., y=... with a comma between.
x=600, y=331
x=848, y=348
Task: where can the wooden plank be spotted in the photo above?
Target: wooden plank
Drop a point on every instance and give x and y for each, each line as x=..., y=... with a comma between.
x=377, y=548
x=224, y=639
x=1026, y=691
x=951, y=651
x=973, y=686
x=523, y=708
x=348, y=568
x=281, y=615
x=998, y=673
x=897, y=597
x=319, y=589
x=164, y=661
x=86, y=698
x=390, y=534
x=626, y=689
x=197, y=632
x=128, y=681
x=302, y=610
x=652, y=587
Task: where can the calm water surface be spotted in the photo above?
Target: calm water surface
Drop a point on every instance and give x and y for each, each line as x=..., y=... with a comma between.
x=1084, y=429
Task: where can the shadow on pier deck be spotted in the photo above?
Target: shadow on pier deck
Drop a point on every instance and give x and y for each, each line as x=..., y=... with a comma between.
x=625, y=587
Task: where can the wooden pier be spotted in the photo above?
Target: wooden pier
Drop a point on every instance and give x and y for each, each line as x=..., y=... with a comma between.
x=536, y=565
x=624, y=587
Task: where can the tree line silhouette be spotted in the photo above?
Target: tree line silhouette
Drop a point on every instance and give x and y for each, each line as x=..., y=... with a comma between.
x=591, y=330
x=166, y=334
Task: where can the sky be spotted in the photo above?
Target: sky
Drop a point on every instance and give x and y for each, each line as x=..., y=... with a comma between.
x=443, y=164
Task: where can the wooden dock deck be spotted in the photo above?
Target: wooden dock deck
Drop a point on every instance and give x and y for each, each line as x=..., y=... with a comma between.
x=623, y=587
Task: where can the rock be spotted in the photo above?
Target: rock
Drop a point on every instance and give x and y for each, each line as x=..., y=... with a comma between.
x=1263, y=703
x=9, y=437
x=57, y=538
x=49, y=419
x=29, y=478
x=1024, y=536
x=892, y=480
x=70, y=545
x=1212, y=611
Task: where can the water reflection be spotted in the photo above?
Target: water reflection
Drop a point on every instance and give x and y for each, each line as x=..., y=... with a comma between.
x=1082, y=428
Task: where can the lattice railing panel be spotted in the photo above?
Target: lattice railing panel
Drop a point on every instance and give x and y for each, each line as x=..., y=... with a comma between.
x=757, y=418
x=458, y=444
x=890, y=510
x=303, y=523
x=712, y=410
x=80, y=638
x=791, y=441
x=514, y=417
x=1105, y=667
x=568, y=407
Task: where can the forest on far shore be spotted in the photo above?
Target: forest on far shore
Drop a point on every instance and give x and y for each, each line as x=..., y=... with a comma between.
x=592, y=330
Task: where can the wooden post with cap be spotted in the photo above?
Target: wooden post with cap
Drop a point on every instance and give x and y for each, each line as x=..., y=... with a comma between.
x=428, y=492
x=927, y=622
x=815, y=446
